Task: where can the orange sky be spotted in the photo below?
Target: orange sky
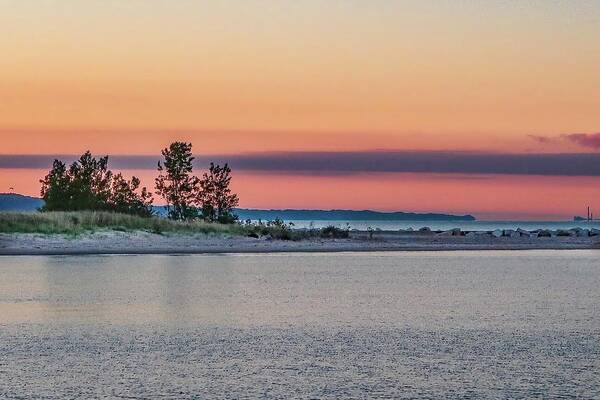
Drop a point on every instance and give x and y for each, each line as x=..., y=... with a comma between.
x=127, y=77
x=409, y=74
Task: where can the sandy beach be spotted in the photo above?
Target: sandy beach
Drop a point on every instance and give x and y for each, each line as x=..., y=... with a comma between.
x=148, y=243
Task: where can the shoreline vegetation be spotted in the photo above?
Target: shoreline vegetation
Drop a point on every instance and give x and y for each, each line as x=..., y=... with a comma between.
x=80, y=222
x=76, y=223
x=93, y=232
x=88, y=184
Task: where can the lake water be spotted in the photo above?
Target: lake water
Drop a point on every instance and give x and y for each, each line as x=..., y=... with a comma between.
x=369, y=325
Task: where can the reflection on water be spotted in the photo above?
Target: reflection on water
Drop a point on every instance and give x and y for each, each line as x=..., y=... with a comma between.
x=461, y=324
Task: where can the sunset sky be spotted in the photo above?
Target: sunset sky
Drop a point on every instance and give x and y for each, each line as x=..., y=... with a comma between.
x=281, y=86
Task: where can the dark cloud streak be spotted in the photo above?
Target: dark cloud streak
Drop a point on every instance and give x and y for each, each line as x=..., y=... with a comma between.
x=335, y=163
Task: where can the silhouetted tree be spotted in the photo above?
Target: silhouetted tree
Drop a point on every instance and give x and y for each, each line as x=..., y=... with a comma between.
x=128, y=199
x=176, y=184
x=56, y=188
x=88, y=184
x=215, y=195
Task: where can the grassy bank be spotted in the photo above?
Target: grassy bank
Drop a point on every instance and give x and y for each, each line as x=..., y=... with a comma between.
x=74, y=223
x=90, y=221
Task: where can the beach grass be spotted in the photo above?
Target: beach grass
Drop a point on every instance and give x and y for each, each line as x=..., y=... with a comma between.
x=73, y=223
x=79, y=222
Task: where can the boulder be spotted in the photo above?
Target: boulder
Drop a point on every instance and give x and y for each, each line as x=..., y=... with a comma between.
x=565, y=233
x=481, y=233
x=544, y=233
x=511, y=233
x=451, y=232
x=583, y=233
x=594, y=232
x=425, y=229
x=497, y=233
x=523, y=232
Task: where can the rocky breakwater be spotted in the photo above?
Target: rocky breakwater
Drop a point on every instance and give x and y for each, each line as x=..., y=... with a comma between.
x=518, y=233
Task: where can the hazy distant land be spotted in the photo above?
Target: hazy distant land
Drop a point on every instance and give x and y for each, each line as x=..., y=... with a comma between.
x=346, y=215
x=21, y=203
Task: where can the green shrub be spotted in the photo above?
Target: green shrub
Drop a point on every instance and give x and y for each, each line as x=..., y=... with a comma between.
x=334, y=232
x=276, y=229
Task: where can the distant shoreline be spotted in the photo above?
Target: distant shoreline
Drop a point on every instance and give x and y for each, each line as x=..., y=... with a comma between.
x=22, y=203
x=141, y=243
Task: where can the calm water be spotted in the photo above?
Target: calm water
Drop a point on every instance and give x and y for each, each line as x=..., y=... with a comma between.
x=379, y=325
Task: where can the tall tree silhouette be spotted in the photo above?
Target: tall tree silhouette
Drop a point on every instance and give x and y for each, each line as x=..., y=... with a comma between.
x=215, y=195
x=90, y=183
x=56, y=188
x=175, y=183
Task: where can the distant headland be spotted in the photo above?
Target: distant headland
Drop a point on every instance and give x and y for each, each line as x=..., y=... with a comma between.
x=19, y=203
x=346, y=215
